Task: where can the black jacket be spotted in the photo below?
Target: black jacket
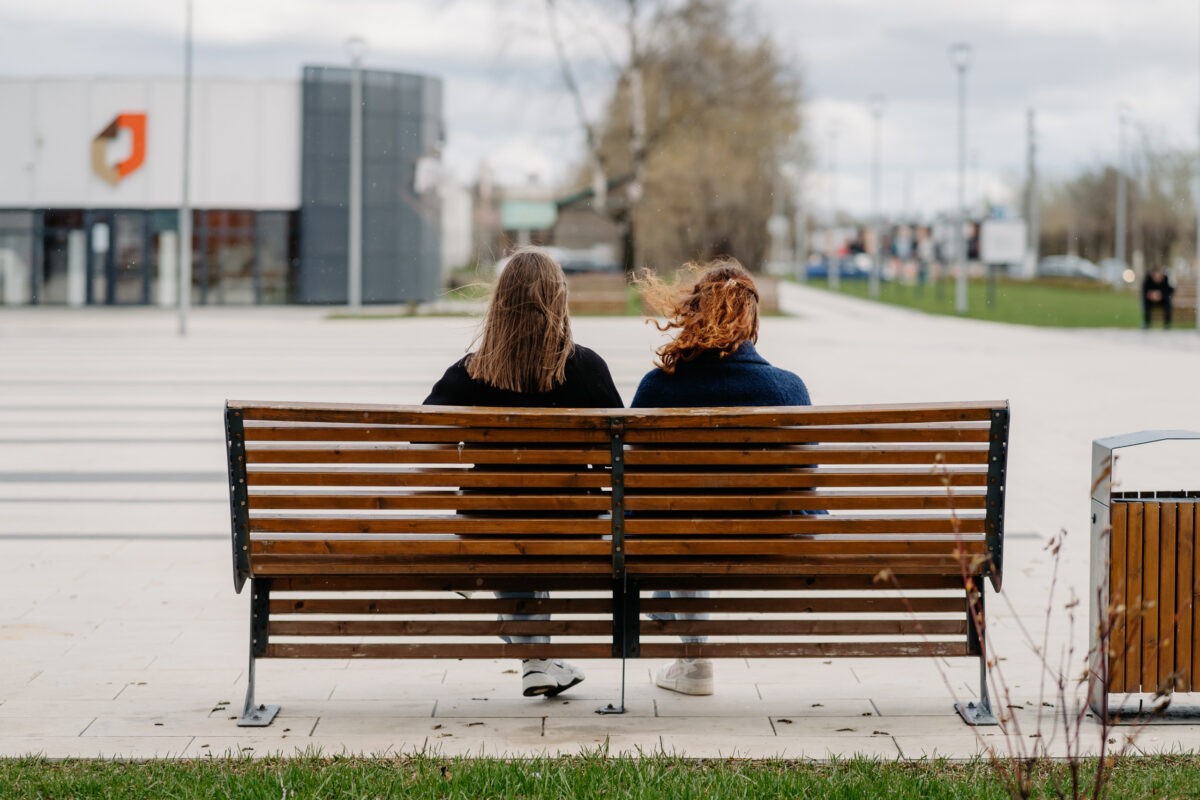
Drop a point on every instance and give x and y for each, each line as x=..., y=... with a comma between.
x=588, y=384
x=742, y=378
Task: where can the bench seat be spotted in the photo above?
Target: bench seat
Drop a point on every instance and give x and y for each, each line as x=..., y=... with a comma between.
x=824, y=531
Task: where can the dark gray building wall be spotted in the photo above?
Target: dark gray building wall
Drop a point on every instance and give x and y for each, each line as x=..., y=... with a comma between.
x=402, y=122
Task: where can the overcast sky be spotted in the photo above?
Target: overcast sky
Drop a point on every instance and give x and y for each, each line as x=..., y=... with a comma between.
x=1074, y=61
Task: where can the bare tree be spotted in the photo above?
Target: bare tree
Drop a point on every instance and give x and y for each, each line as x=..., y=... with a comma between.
x=700, y=116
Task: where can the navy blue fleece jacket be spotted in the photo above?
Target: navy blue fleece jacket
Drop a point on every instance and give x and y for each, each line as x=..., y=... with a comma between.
x=742, y=378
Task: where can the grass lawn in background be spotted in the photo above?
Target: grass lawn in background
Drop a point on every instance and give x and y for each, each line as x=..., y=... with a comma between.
x=1052, y=304
x=581, y=777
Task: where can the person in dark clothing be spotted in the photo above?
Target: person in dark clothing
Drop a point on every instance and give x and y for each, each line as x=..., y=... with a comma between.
x=710, y=362
x=1156, y=293
x=525, y=357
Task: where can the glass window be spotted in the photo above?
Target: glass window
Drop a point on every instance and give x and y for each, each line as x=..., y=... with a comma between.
x=229, y=257
x=16, y=257
x=274, y=256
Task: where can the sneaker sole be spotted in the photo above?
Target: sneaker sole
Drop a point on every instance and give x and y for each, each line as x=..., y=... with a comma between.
x=550, y=690
x=685, y=686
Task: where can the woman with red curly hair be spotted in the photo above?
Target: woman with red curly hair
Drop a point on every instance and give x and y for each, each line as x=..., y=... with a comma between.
x=710, y=362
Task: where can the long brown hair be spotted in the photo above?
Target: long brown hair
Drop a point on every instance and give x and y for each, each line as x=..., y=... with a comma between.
x=717, y=313
x=525, y=339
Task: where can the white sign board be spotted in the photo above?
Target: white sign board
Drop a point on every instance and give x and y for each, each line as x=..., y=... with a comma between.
x=1002, y=241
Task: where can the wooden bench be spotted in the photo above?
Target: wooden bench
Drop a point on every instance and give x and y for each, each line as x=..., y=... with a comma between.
x=355, y=523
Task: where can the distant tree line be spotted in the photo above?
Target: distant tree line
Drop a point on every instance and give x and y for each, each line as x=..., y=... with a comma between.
x=1078, y=214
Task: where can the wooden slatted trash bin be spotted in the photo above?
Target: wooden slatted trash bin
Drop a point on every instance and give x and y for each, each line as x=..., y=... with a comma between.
x=1145, y=575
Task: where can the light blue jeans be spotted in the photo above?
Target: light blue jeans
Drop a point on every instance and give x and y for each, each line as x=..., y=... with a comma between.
x=671, y=615
x=524, y=596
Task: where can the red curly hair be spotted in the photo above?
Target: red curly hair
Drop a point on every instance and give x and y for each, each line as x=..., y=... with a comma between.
x=717, y=313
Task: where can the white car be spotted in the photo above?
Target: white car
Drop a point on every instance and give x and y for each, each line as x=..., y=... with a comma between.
x=1067, y=267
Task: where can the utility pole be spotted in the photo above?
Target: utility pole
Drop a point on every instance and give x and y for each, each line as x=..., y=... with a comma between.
x=185, y=206
x=1119, y=248
x=1032, y=221
x=835, y=267
x=357, y=48
x=876, y=222
x=960, y=57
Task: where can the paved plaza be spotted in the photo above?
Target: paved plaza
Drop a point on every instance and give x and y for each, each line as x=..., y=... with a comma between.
x=121, y=635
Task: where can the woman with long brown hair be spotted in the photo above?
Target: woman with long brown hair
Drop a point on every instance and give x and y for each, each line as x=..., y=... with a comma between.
x=525, y=356
x=711, y=361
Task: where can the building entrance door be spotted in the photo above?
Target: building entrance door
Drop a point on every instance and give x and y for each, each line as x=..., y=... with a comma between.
x=120, y=258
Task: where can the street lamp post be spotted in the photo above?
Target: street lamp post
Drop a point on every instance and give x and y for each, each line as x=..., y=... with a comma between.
x=1122, y=202
x=834, y=266
x=876, y=223
x=185, y=206
x=357, y=48
x=960, y=57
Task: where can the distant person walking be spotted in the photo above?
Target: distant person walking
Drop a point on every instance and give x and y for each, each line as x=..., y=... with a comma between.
x=527, y=358
x=1157, y=292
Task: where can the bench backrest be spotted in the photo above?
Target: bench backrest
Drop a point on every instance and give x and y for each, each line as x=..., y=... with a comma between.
x=854, y=499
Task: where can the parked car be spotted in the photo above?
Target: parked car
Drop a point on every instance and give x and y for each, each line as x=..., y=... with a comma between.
x=851, y=268
x=1067, y=267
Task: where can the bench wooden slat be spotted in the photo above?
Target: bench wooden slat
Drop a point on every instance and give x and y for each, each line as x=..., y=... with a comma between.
x=344, y=432
x=268, y=564
x=804, y=649
x=267, y=522
x=373, y=453
x=685, y=459
x=814, y=500
x=945, y=546
x=440, y=416
x=475, y=526
x=442, y=627
x=801, y=478
x=341, y=650
x=801, y=524
x=921, y=432
x=467, y=478
x=449, y=500
x=866, y=582
x=805, y=627
x=348, y=650
x=456, y=605
x=432, y=547
x=764, y=417
x=908, y=606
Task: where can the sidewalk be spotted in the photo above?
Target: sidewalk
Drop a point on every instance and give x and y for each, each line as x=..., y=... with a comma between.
x=120, y=633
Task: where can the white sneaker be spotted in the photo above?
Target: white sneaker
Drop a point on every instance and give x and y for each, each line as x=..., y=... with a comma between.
x=544, y=677
x=687, y=676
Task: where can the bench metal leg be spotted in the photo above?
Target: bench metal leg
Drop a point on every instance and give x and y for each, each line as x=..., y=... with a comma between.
x=627, y=621
x=257, y=716
x=977, y=713
x=619, y=708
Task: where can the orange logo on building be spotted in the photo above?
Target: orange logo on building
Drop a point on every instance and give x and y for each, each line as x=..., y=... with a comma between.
x=114, y=173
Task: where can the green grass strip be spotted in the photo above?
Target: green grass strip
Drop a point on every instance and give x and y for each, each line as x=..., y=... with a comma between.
x=580, y=777
x=1044, y=303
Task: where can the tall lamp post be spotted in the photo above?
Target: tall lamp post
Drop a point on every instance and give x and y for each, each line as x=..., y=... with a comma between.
x=1122, y=202
x=356, y=47
x=876, y=103
x=835, y=267
x=960, y=58
x=185, y=206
